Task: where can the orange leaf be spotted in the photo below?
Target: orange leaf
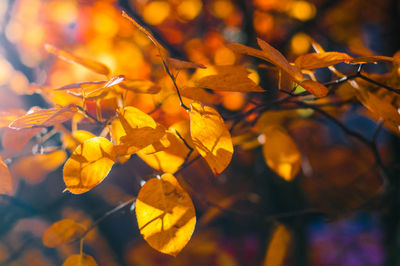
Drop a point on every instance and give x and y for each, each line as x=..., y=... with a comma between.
x=88, y=165
x=210, y=136
x=5, y=179
x=87, y=63
x=277, y=247
x=6, y=117
x=62, y=232
x=314, y=87
x=80, y=260
x=281, y=153
x=165, y=214
x=320, y=60
x=140, y=86
x=45, y=117
x=371, y=59
x=15, y=139
x=180, y=64
x=201, y=95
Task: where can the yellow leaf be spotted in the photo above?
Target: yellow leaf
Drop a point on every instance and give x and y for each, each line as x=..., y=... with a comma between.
x=80, y=260
x=34, y=168
x=314, y=87
x=88, y=165
x=45, y=117
x=210, y=136
x=140, y=86
x=180, y=64
x=281, y=153
x=277, y=247
x=229, y=78
x=87, y=63
x=5, y=179
x=320, y=60
x=134, y=130
x=201, y=95
x=165, y=214
x=71, y=141
x=62, y=232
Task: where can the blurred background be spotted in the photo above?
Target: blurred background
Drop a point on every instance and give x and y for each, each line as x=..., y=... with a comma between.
x=331, y=218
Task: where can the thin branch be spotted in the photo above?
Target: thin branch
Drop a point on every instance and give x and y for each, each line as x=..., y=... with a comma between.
x=378, y=83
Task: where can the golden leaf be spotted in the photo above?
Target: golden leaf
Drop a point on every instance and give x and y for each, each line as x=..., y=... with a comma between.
x=87, y=63
x=165, y=214
x=314, y=87
x=320, y=60
x=6, y=186
x=62, y=232
x=210, y=136
x=88, y=165
x=277, y=247
x=281, y=153
x=134, y=130
x=140, y=86
x=45, y=117
x=80, y=260
x=201, y=95
x=71, y=141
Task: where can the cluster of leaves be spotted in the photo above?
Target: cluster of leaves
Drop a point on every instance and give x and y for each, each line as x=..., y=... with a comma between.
x=117, y=127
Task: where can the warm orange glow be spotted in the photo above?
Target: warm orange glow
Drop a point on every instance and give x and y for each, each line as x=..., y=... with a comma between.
x=189, y=9
x=300, y=43
x=223, y=8
x=156, y=12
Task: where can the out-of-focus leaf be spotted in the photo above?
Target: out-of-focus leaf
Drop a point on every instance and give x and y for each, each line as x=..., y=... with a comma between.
x=62, y=232
x=210, y=136
x=281, y=153
x=15, y=139
x=134, y=130
x=88, y=165
x=277, y=247
x=229, y=78
x=320, y=60
x=34, y=168
x=6, y=117
x=213, y=212
x=165, y=214
x=87, y=63
x=180, y=64
x=45, y=117
x=6, y=186
x=80, y=260
x=140, y=86
x=314, y=87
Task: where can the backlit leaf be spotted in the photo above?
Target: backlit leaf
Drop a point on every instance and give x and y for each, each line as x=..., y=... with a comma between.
x=45, y=117
x=165, y=214
x=80, y=260
x=6, y=117
x=5, y=179
x=62, y=232
x=320, y=60
x=210, y=136
x=201, y=95
x=180, y=64
x=15, y=139
x=281, y=153
x=87, y=63
x=314, y=87
x=277, y=247
x=134, y=130
x=140, y=86
x=88, y=165
x=71, y=141
x=371, y=59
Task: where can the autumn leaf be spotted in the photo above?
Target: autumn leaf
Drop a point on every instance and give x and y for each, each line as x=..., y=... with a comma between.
x=180, y=64
x=281, y=153
x=88, y=165
x=320, y=60
x=277, y=247
x=314, y=87
x=80, y=260
x=371, y=59
x=6, y=117
x=62, y=232
x=140, y=86
x=210, y=136
x=6, y=186
x=45, y=117
x=16, y=139
x=77, y=137
x=87, y=63
x=165, y=214
x=201, y=95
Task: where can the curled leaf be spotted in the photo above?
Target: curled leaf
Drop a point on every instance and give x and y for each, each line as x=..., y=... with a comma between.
x=80, y=260
x=210, y=136
x=5, y=179
x=88, y=165
x=281, y=153
x=62, y=232
x=87, y=63
x=165, y=214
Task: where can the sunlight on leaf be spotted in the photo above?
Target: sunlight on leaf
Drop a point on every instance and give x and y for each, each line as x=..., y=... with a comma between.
x=88, y=165
x=281, y=153
x=277, y=247
x=320, y=60
x=210, y=136
x=62, y=232
x=165, y=214
x=314, y=87
x=80, y=260
x=87, y=63
x=6, y=186
x=140, y=86
x=180, y=64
